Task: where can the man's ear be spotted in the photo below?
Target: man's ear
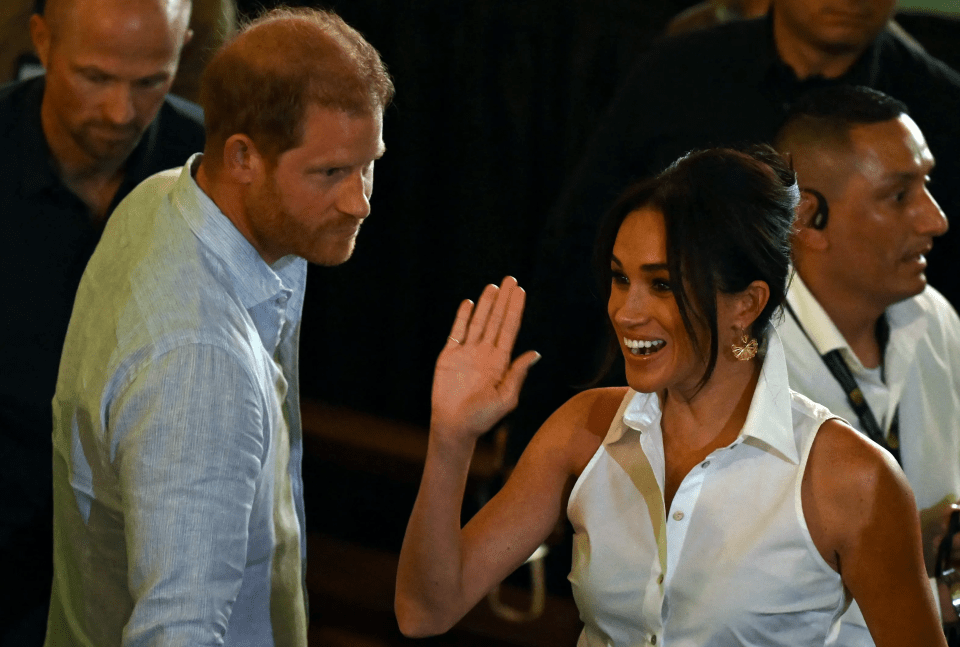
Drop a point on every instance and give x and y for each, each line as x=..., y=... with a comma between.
x=805, y=233
x=40, y=35
x=242, y=161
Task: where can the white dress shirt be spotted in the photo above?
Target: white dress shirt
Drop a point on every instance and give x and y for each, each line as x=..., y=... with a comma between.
x=922, y=376
x=731, y=563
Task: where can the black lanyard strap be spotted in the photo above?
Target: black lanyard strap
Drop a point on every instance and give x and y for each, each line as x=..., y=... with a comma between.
x=844, y=376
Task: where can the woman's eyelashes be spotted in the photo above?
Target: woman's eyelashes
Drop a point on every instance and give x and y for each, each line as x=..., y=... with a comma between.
x=657, y=283
x=660, y=284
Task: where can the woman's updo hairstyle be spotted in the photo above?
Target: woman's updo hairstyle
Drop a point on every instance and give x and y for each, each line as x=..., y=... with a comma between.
x=728, y=217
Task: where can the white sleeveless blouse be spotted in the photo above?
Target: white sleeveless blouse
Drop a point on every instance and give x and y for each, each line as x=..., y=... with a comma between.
x=732, y=562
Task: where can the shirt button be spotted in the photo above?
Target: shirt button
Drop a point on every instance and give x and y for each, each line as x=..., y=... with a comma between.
x=705, y=464
x=660, y=579
x=653, y=639
x=678, y=515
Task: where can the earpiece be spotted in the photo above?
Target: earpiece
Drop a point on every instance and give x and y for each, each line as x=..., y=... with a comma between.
x=819, y=220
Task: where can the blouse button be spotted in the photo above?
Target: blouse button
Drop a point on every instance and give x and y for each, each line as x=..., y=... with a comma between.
x=678, y=515
x=653, y=639
x=705, y=464
x=660, y=579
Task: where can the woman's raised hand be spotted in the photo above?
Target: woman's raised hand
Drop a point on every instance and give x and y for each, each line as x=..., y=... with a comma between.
x=475, y=384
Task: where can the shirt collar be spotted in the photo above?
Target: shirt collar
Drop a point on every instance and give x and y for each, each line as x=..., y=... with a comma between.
x=906, y=320
x=770, y=419
x=254, y=280
x=816, y=322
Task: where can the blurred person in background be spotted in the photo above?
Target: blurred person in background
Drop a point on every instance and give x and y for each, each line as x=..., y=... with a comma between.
x=77, y=140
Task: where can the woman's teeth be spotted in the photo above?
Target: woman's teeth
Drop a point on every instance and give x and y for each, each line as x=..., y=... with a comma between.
x=643, y=347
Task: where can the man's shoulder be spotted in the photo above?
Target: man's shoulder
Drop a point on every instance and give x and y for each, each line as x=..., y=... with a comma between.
x=17, y=97
x=906, y=67
x=180, y=131
x=733, y=36
x=186, y=112
x=163, y=287
x=942, y=320
x=710, y=65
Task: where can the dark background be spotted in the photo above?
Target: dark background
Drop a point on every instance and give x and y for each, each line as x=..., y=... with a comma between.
x=494, y=101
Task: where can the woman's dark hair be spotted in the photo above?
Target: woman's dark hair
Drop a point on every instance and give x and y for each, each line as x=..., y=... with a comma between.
x=728, y=215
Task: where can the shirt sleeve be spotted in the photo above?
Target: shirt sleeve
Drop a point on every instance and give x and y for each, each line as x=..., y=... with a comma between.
x=188, y=446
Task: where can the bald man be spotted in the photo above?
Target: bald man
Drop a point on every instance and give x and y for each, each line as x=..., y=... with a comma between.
x=863, y=333
x=76, y=141
x=178, y=500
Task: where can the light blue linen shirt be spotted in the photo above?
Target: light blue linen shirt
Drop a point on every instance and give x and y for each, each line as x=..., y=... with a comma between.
x=178, y=498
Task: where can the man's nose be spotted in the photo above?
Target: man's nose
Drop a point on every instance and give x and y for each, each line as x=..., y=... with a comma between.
x=118, y=106
x=931, y=221
x=355, y=195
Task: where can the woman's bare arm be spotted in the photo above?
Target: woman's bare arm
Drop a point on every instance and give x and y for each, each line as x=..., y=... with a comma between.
x=444, y=571
x=863, y=519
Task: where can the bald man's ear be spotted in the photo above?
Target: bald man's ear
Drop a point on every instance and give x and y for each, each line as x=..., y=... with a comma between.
x=805, y=234
x=40, y=35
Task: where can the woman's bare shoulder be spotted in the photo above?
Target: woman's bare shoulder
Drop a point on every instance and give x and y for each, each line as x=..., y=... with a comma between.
x=590, y=411
x=847, y=480
x=578, y=427
x=842, y=459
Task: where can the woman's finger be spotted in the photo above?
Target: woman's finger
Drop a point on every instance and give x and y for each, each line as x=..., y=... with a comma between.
x=459, y=331
x=481, y=313
x=516, y=374
x=492, y=330
x=511, y=320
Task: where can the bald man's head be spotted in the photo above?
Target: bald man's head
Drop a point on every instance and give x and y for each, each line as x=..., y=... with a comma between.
x=109, y=65
x=262, y=82
x=172, y=15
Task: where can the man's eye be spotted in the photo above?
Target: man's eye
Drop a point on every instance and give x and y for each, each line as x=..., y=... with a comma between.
x=150, y=84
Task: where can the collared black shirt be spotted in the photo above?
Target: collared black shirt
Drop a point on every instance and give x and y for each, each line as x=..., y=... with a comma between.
x=48, y=233
x=718, y=87
x=727, y=86
x=46, y=237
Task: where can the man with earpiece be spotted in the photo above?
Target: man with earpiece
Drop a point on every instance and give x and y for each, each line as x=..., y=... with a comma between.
x=863, y=332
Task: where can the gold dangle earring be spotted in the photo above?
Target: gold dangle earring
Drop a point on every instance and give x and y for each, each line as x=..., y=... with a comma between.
x=747, y=349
